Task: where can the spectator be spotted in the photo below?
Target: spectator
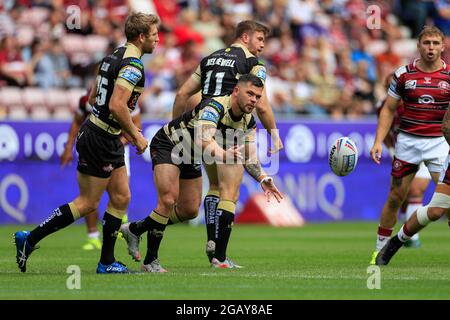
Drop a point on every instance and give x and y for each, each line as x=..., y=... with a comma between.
x=413, y=14
x=41, y=64
x=326, y=93
x=388, y=57
x=61, y=67
x=442, y=16
x=13, y=70
x=360, y=53
x=208, y=27
x=157, y=101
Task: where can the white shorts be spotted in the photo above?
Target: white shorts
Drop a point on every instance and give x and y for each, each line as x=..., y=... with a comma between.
x=126, y=157
x=423, y=172
x=414, y=150
x=444, y=177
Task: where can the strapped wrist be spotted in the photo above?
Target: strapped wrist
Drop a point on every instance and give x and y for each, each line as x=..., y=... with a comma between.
x=265, y=179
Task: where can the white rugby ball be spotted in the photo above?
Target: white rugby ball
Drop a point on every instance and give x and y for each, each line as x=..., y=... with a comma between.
x=343, y=156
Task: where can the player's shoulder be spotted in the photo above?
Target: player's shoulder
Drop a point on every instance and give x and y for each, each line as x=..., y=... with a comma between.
x=403, y=70
x=133, y=62
x=242, y=51
x=217, y=103
x=212, y=109
x=446, y=68
x=131, y=55
x=215, y=54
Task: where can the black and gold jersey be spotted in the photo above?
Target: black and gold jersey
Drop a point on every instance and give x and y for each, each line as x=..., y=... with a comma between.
x=123, y=67
x=216, y=112
x=219, y=72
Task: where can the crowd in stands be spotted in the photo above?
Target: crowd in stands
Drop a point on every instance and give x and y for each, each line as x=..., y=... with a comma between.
x=322, y=58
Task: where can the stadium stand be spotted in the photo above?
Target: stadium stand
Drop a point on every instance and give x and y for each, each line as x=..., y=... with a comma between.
x=306, y=36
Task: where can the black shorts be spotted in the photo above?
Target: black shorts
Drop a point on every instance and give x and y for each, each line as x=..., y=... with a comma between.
x=161, y=149
x=99, y=152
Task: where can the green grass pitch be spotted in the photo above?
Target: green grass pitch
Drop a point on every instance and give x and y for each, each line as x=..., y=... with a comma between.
x=318, y=261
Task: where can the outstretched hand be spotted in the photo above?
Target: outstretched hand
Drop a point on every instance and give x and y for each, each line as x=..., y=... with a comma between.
x=66, y=157
x=375, y=152
x=270, y=189
x=277, y=144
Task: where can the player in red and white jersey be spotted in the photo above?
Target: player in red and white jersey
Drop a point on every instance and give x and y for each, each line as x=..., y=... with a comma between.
x=436, y=209
x=83, y=111
x=424, y=88
x=419, y=185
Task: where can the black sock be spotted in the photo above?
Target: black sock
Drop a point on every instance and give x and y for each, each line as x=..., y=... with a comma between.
x=139, y=227
x=111, y=227
x=59, y=219
x=210, y=205
x=224, y=222
x=154, y=236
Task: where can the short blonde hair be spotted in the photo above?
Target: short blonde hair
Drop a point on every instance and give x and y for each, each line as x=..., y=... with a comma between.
x=431, y=31
x=250, y=26
x=137, y=23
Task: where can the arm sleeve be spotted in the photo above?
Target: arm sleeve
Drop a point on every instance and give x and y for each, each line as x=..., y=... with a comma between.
x=395, y=87
x=259, y=70
x=211, y=113
x=131, y=72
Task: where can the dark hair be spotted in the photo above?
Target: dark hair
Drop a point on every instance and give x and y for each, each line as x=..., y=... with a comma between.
x=431, y=31
x=256, y=81
x=250, y=26
x=138, y=23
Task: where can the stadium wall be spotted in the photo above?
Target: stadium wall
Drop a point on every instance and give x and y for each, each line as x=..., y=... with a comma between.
x=32, y=182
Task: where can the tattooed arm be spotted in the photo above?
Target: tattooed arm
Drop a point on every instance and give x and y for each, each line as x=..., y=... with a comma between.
x=254, y=169
x=204, y=138
x=446, y=126
x=252, y=164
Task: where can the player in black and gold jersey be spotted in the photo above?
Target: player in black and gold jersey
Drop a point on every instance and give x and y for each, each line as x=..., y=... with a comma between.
x=217, y=75
x=177, y=150
x=101, y=153
x=83, y=111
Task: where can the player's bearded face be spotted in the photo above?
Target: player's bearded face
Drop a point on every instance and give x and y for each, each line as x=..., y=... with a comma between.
x=248, y=97
x=151, y=40
x=430, y=48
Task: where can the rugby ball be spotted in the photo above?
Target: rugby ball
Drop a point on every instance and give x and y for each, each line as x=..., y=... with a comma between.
x=343, y=156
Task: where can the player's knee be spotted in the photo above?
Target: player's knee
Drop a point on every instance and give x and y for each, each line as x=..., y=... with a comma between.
x=436, y=213
x=121, y=200
x=88, y=209
x=438, y=206
x=213, y=185
x=167, y=200
x=415, y=193
x=85, y=206
x=190, y=212
x=228, y=193
x=395, y=200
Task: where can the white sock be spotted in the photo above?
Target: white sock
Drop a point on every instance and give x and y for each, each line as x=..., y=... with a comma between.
x=383, y=236
x=402, y=236
x=94, y=235
x=381, y=241
x=409, y=212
